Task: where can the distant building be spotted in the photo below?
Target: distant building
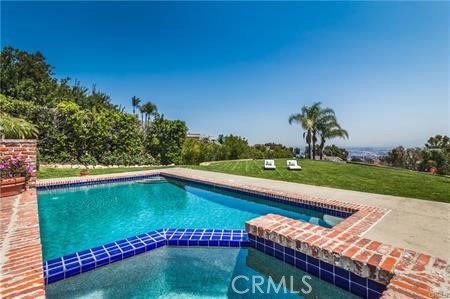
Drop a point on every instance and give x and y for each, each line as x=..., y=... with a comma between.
x=199, y=136
x=193, y=136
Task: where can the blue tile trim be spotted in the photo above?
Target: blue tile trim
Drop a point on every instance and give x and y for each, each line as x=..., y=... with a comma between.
x=95, y=182
x=342, y=278
x=254, y=193
x=87, y=260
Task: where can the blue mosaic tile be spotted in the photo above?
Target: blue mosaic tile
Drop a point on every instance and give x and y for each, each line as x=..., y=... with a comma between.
x=54, y=278
x=96, y=182
x=313, y=270
x=87, y=260
x=342, y=273
x=121, y=249
x=373, y=295
x=300, y=264
x=300, y=255
x=342, y=278
x=327, y=276
x=327, y=267
x=358, y=289
x=55, y=270
x=342, y=283
x=375, y=286
x=358, y=279
x=283, y=199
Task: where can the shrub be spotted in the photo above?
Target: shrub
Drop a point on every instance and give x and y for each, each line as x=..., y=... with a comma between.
x=14, y=168
x=335, y=151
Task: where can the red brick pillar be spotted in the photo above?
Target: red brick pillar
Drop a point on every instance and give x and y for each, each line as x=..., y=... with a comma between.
x=23, y=148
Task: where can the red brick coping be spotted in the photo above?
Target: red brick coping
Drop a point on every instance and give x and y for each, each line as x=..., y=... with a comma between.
x=407, y=274
x=20, y=242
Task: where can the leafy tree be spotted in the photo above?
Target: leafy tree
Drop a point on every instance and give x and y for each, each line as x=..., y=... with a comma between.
x=396, y=157
x=435, y=158
x=271, y=151
x=74, y=122
x=165, y=138
x=235, y=147
x=438, y=142
x=335, y=151
x=29, y=77
x=192, y=151
x=412, y=158
x=26, y=76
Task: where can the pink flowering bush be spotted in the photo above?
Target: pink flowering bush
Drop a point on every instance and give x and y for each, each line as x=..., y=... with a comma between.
x=14, y=168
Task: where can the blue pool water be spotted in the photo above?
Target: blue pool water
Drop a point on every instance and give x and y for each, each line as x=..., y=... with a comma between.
x=79, y=218
x=195, y=273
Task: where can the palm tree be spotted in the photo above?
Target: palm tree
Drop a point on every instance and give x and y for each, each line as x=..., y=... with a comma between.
x=308, y=118
x=148, y=109
x=316, y=120
x=135, y=101
x=306, y=123
x=329, y=128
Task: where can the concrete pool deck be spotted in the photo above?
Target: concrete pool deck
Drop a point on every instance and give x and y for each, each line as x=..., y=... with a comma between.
x=416, y=224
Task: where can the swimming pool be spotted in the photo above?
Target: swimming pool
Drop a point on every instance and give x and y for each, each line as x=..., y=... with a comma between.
x=194, y=273
x=74, y=219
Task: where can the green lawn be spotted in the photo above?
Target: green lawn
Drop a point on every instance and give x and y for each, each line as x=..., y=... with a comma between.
x=346, y=176
x=48, y=173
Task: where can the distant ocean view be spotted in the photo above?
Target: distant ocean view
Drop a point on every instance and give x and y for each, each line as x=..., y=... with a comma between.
x=367, y=152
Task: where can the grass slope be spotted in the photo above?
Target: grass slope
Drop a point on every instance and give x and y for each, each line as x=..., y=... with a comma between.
x=49, y=173
x=346, y=176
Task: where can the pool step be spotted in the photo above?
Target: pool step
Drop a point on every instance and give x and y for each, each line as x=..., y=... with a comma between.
x=90, y=259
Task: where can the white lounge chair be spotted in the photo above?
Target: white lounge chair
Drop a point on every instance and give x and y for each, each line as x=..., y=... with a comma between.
x=292, y=165
x=269, y=164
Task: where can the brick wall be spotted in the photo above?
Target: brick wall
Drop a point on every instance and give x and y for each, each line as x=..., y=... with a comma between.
x=23, y=148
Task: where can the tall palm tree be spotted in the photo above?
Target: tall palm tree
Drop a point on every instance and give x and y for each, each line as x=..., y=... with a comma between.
x=318, y=122
x=135, y=101
x=329, y=128
x=306, y=123
x=147, y=110
x=308, y=118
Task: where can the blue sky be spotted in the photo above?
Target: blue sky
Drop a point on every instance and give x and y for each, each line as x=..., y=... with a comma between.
x=243, y=68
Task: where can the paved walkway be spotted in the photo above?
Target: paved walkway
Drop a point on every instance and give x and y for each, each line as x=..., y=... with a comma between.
x=20, y=253
x=420, y=225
